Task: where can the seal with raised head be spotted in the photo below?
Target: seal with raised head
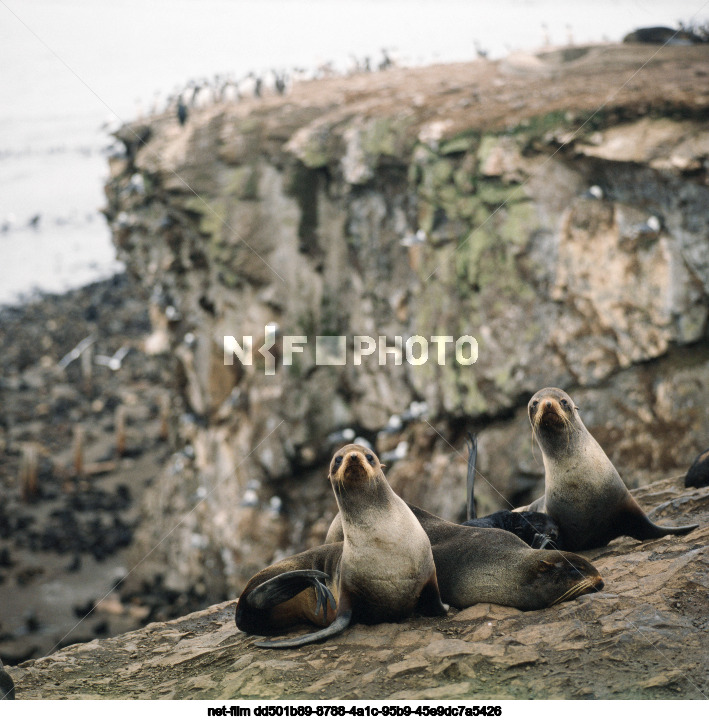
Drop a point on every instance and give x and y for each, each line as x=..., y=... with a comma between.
x=382, y=570
x=489, y=565
x=583, y=491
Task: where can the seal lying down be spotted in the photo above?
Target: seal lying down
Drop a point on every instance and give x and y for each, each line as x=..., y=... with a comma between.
x=489, y=565
x=328, y=587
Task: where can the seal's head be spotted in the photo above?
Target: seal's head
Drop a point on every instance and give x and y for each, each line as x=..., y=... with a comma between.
x=353, y=466
x=560, y=576
x=551, y=408
x=553, y=416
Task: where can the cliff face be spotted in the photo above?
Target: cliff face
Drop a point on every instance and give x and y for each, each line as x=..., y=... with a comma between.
x=444, y=201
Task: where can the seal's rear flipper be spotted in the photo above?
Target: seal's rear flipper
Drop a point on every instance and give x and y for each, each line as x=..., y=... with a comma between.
x=472, y=444
x=257, y=611
x=337, y=626
x=284, y=586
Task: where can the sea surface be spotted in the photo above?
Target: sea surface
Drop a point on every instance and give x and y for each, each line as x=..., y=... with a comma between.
x=73, y=70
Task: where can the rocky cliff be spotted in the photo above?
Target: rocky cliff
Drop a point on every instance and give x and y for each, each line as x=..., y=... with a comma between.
x=554, y=207
x=642, y=637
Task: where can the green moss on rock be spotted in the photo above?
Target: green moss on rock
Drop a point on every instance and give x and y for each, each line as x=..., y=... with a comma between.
x=460, y=144
x=243, y=183
x=381, y=137
x=315, y=151
x=519, y=222
x=495, y=194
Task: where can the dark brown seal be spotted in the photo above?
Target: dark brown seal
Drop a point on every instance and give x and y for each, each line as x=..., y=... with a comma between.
x=489, y=565
x=382, y=570
x=583, y=491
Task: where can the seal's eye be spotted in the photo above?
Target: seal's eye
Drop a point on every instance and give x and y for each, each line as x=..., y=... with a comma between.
x=564, y=403
x=338, y=460
x=370, y=458
x=535, y=404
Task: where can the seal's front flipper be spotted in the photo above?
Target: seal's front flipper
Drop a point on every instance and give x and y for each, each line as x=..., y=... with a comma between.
x=284, y=586
x=635, y=523
x=430, y=603
x=540, y=541
x=652, y=530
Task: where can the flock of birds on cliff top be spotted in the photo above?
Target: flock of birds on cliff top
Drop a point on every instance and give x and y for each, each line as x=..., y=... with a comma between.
x=226, y=88
x=204, y=92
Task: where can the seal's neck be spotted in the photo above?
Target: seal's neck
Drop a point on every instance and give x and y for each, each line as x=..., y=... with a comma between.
x=558, y=442
x=358, y=500
x=570, y=447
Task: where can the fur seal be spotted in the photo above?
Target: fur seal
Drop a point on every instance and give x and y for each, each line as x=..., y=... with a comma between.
x=583, y=492
x=7, y=685
x=536, y=529
x=382, y=570
x=698, y=473
x=489, y=565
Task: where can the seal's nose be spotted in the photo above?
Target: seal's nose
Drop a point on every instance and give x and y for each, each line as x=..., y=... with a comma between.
x=353, y=454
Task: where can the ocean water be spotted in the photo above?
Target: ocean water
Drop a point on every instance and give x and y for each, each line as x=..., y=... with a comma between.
x=71, y=70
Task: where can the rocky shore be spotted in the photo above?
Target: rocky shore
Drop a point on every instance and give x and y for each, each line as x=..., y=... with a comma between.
x=642, y=637
x=66, y=522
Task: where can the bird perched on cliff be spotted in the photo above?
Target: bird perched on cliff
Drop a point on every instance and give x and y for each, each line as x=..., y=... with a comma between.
x=113, y=362
x=181, y=111
x=595, y=192
x=337, y=438
x=402, y=448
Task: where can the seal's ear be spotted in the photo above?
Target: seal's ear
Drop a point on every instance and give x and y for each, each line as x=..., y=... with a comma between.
x=577, y=408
